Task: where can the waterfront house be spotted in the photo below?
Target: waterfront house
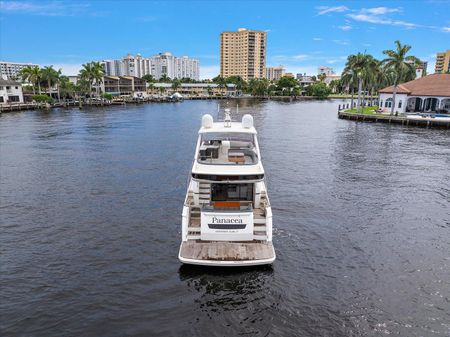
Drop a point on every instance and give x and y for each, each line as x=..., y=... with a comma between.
x=10, y=92
x=427, y=94
x=195, y=89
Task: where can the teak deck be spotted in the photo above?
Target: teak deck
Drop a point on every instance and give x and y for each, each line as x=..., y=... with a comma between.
x=227, y=251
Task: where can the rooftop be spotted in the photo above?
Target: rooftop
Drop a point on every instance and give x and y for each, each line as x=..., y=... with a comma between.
x=8, y=82
x=431, y=85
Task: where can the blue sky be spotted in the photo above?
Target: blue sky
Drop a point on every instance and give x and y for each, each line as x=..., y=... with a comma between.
x=302, y=35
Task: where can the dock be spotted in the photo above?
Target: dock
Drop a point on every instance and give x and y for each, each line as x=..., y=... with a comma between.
x=427, y=122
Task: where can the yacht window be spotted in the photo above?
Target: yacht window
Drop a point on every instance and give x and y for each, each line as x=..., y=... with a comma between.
x=232, y=192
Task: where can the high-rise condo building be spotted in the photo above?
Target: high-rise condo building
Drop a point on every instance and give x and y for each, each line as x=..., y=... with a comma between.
x=10, y=70
x=157, y=66
x=274, y=73
x=442, y=62
x=243, y=53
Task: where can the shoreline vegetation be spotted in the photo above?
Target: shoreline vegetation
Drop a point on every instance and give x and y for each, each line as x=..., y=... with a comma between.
x=361, y=79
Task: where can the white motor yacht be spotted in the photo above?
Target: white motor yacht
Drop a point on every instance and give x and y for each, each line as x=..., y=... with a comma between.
x=227, y=218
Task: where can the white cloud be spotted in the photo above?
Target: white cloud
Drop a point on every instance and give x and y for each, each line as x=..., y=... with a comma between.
x=317, y=39
x=446, y=29
x=380, y=10
x=342, y=42
x=326, y=9
x=47, y=8
x=379, y=20
x=208, y=72
x=300, y=57
x=345, y=27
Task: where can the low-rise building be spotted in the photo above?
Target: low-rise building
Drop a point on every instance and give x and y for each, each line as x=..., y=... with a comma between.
x=10, y=92
x=427, y=94
x=325, y=71
x=305, y=80
x=331, y=78
x=194, y=89
x=122, y=85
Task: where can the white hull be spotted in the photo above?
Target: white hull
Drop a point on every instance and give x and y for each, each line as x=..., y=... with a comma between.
x=227, y=217
x=213, y=263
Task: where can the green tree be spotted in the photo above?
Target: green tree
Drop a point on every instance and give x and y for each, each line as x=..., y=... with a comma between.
x=287, y=84
x=164, y=79
x=66, y=88
x=176, y=84
x=318, y=89
x=92, y=73
x=258, y=86
x=148, y=78
x=361, y=66
x=50, y=76
x=240, y=83
x=403, y=66
x=33, y=75
x=83, y=87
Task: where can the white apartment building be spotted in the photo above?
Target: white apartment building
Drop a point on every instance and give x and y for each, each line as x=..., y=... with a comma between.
x=325, y=70
x=10, y=92
x=175, y=67
x=113, y=67
x=157, y=66
x=12, y=69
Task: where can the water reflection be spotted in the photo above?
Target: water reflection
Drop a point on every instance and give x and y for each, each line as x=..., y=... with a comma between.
x=227, y=288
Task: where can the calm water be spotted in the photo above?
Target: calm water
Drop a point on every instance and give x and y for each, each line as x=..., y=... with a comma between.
x=90, y=207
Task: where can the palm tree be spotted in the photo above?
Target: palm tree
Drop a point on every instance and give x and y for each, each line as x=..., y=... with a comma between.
x=321, y=77
x=92, y=73
x=361, y=65
x=97, y=75
x=176, y=84
x=164, y=79
x=67, y=88
x=51, y=76
x=148, y=78
x=403, y=66
x=349, y=79
x=33, y=75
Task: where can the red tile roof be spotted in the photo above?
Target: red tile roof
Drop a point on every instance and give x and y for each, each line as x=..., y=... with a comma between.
x=431, y=85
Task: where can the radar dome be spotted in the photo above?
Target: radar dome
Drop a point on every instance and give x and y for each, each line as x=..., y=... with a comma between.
x=247, y=121
x=207, y=121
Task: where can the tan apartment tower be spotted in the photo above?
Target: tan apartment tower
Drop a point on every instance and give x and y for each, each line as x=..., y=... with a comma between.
x=243, y=53
x=442, y=62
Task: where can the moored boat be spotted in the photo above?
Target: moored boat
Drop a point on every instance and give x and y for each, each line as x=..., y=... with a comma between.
x=227, y=217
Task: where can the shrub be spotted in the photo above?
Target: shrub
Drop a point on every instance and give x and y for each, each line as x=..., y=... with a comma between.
x=42, y=99
x=107, y=96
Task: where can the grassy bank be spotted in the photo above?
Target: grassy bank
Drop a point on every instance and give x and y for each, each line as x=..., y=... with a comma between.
x=368, y=110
